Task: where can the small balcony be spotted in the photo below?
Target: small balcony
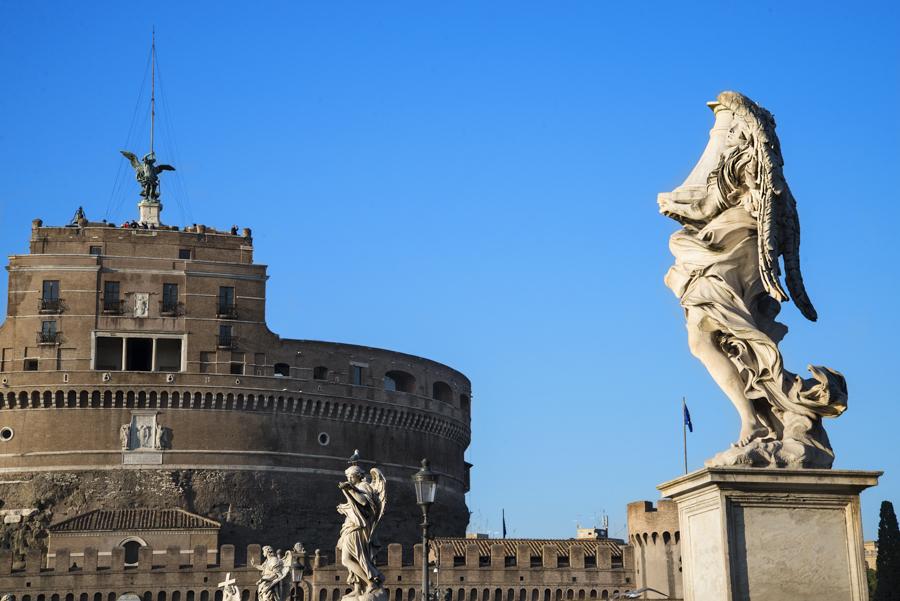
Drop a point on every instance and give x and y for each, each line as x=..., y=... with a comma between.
x=170, y=309
x=113, y=306
x=226, y=312
x=226, y=342
x=50, y=306
x=50, y=337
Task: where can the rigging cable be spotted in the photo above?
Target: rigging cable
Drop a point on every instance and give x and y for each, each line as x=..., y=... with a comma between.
x=117, y=181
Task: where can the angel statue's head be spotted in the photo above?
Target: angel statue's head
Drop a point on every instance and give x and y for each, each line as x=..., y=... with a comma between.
x=354, y=474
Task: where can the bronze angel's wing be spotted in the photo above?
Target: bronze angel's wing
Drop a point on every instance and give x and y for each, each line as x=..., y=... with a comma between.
x=165, y=168
x=132, y=158
x=379, y=486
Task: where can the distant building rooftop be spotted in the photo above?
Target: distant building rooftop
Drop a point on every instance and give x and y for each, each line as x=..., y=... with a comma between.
x=105, y=520
x=510, y=545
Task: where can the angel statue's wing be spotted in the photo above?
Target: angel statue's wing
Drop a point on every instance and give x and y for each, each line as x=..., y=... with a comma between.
x=773, y=204
x=379, y=485
x=132, y=158
x=790, y=247
x=165, y=168
x=286, y=562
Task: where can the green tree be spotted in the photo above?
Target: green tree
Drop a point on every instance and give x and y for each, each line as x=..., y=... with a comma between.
x=888, y=562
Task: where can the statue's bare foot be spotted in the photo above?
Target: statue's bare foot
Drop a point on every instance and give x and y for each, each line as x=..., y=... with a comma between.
x=751, y=433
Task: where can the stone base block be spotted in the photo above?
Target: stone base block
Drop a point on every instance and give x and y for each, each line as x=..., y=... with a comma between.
x=771, y=534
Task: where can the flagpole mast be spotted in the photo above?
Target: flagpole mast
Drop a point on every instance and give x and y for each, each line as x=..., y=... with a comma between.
x=152, y=86
x=684, y=431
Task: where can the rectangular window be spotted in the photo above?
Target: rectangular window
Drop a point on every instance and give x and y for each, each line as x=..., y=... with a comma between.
x=31, y=365
x=356, y=375
x=50, y=290
x=6, y=356
x=50, y=296
x=111, y=302
x=48, y=332
x=225, y=338
x=96, y=250
x=168, y=354
x=169, y=299
x=184, y=253
x=226, y=302
x=237, y=364
x=206, y=361
x=590, y=561
x=108, y=353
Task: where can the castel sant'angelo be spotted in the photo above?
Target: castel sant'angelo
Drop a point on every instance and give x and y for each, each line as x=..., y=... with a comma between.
x=138, y=371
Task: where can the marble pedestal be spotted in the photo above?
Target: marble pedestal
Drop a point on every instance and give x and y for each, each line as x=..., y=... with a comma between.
x=760, y=534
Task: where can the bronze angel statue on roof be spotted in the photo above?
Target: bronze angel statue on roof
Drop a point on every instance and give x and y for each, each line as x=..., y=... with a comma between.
x=146, y=171
x=365, y=502
x=739, y=218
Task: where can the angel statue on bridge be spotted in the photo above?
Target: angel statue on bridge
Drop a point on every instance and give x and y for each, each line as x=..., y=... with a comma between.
x=365, y=504
x=146, y=171
x=739, y=219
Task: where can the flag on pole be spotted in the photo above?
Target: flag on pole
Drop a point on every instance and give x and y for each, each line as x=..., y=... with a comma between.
x=504, y=523
x=687, y=417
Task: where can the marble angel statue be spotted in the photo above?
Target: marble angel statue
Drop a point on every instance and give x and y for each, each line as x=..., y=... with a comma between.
x=365, y=502
x=739, y=218
x=273, y=583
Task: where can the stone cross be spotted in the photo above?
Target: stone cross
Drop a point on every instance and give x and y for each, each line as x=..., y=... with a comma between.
x=228, y=580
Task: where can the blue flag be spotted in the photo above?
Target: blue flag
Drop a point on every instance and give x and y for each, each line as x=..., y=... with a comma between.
x=687, y=417
x=504, y=523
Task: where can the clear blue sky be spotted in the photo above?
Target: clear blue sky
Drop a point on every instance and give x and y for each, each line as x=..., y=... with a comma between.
x=476, y=183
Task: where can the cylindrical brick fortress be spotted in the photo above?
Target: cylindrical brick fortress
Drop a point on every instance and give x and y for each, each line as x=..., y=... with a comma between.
x=137, y=371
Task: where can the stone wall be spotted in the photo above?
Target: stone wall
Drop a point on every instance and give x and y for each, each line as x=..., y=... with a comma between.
x=173, y=575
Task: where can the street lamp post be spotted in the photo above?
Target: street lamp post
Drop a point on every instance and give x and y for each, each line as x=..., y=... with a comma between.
x=425, y=482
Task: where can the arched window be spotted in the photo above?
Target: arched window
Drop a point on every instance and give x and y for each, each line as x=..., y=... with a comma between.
x=399, y=381
x=132, y=547
x=320, y=373
x=282, y=369
x=442, y=392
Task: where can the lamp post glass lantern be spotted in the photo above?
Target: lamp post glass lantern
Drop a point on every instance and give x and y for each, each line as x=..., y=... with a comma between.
x=425, y=483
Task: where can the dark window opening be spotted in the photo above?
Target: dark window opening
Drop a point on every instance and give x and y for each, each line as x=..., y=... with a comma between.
x=31, y=364
x=320, y=373
x=509, y=561
x=399, y=381
x=590, y=561
x=617, y=561
x=562, y=561
x=108, y=355
x=111, y=301
x=50, y=296
x=168, y=354
x=184, y=253
x=226, y=340
x=282, y=369
x=226, y=306
x=138, y=354
x=459, y=561
x=237, y=369
x=48, y=332
x=464, y=402
x=169, y=299
x=131, y=551
x=356, y=375
x=537, y=561
x=96, y=250
x=442, y=392
x=484, y=561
